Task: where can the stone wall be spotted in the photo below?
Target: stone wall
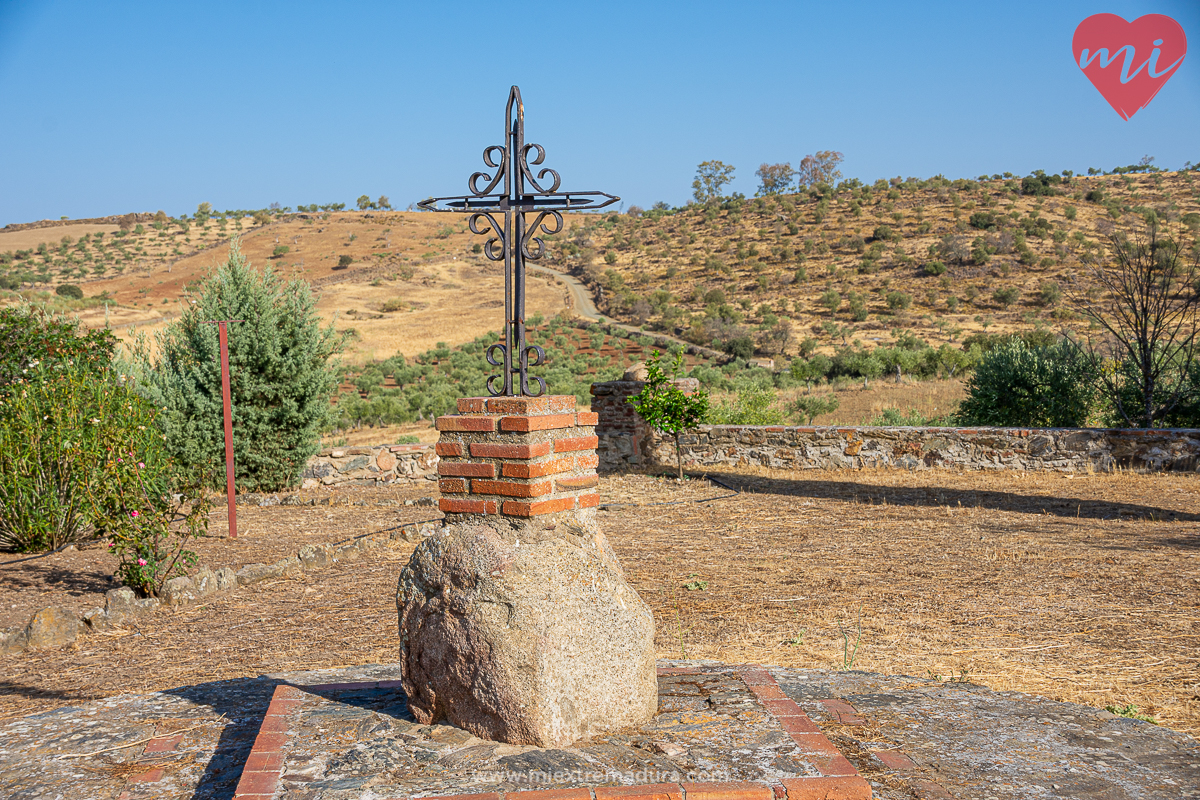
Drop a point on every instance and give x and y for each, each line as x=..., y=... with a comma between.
x=371, y=466
x=625, y=442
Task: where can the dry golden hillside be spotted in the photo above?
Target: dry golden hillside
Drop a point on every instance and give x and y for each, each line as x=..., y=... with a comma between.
x=776, y=265
x=412, y=279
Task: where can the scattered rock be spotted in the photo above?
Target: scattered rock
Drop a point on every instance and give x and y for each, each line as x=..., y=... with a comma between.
x=13, y=640
x=51, y=627
x=226, y=579
x=253, y=573
x=95, y=619
x=205, y=582
x=120, y=603
x=290, y=566
x=179, y=591
x=313, y=556
x=525, y=632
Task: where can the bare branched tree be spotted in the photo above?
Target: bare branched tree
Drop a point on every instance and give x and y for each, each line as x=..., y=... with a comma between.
x=1146, y=311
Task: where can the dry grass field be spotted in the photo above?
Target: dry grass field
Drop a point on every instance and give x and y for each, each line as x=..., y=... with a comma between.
x=1082, y=588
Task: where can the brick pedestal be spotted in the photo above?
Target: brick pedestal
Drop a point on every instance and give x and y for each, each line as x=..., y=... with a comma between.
x=517, y=456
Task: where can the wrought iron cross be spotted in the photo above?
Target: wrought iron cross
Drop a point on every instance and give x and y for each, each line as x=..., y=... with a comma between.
x=516, y=240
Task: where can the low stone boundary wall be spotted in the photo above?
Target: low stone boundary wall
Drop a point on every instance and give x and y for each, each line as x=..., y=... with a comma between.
x=1061, y=449
x=626, y=442
x=371, y=466
x=55, y=626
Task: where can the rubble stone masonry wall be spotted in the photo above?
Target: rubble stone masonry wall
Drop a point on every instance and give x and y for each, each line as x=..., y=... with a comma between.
x=371, y=466
x=625, y=442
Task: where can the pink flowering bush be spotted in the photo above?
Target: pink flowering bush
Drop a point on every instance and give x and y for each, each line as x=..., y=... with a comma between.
x=82, y=458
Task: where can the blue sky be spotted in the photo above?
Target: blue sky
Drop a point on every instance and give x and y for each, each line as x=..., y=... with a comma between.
x=114, y=107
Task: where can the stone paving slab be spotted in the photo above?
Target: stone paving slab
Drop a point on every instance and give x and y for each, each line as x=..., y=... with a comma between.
x=719, y=732
x=908, y=737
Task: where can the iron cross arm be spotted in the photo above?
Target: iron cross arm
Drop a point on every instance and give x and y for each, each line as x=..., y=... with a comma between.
x=551, y=201
x=512, y=168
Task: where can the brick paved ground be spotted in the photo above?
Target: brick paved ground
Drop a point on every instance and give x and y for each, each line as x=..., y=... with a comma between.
x=908, y=737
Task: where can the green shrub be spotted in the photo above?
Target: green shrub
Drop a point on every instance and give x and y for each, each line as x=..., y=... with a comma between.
x=81, y=457
x=983, y=220
x=898, y=300
x=1019, y=385
x=752, y=406
x=1049, y=293
x=281, y=379
x=280, y=250
x=665, y=407
x=935, y=268
x=69, y=290
x=30, y=335
x=894, y=418
x=1006, y=296
x=811, y=406
x=344, y=261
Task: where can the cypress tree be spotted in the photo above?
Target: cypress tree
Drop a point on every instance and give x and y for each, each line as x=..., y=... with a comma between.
x=281, y=376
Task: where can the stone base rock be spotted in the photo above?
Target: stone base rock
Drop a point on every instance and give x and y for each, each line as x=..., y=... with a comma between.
x=525, y=632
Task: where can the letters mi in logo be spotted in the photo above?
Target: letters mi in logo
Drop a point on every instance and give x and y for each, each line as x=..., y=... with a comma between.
x=1129, y=62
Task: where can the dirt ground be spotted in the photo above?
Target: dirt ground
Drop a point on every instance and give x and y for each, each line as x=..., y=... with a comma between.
x=77, y=579
x=1078, y=588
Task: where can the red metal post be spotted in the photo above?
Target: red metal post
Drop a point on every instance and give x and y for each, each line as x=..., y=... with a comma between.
x=222, y=328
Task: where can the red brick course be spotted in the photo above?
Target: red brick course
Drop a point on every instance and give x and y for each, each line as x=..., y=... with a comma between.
x=845, y=788
x=525, y=451
x=516, y=508
x=579, y=482
x=466, y=469
x=648, y=791
x=452, y=485
x=575, y=443
x=472, y=405
x=543, y=423
x=510, y=488
x=163, y=744
x=589, y=500
x=894, y=759
x=532, y=406
x=587, y=418
x=539, y=469
x=728, y=790
x=466, y=424
x=453, y=505
x=149, y=776
x=551, y=794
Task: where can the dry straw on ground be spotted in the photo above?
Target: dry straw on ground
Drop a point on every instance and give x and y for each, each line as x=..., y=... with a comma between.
x=1080, y=588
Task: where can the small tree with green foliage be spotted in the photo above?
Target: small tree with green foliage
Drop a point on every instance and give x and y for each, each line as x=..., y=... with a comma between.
x=667, y=408
x=811, y=406
x=1016, y=384
x=711, y=177
x=281, y=378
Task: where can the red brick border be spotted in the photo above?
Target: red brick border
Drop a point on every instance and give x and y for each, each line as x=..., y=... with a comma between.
x=839, y=780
